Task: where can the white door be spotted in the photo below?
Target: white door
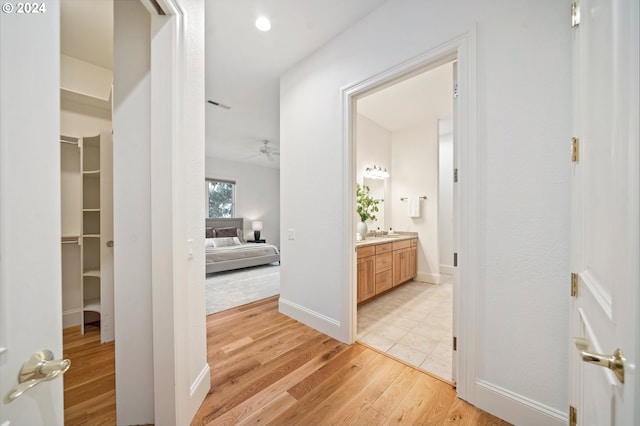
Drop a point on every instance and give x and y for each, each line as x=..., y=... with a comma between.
x=605, y=218
x=30, y=236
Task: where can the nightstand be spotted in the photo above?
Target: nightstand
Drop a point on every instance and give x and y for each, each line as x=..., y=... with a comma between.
x=257, y=241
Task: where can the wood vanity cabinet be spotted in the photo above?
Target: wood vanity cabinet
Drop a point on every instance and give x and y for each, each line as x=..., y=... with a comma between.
x=366, y=273
x=383, y=266
x=404, y=260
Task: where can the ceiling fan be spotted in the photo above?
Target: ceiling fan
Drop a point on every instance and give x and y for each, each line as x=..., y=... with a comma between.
x=266, y=150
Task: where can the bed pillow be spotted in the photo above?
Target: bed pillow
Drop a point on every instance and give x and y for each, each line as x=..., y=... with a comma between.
x=226, y=232
x=241, y=236
x=225, y=242
x=208, y=243
x=209, y=233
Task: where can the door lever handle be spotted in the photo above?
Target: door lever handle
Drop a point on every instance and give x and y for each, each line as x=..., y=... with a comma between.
x=613, y=362
x=40, y=367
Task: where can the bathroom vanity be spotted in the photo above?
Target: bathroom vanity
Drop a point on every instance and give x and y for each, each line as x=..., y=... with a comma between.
x=384, y=263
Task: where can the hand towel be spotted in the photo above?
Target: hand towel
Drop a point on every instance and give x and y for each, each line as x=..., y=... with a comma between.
x=414, y=206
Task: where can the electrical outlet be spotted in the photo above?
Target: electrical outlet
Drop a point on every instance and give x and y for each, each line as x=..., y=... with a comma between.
x=292, y=234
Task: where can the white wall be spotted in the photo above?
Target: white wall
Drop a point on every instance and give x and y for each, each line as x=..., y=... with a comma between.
x=257, y=194
x=523, y=104
x=415, y=173
x=373, y=147
x=445, y=195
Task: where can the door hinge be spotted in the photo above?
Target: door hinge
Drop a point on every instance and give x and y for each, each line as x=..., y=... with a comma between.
x=455, y=259
x=575, y=14
x=455, y=90
x=575, y=150
x=573, y=416
x=455, y=175
x=574, y=284
x=455, y=343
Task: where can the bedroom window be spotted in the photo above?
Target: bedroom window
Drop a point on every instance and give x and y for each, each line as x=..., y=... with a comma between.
x=221, y=197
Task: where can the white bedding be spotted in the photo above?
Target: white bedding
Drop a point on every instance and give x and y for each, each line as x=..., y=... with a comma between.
x=241, y=251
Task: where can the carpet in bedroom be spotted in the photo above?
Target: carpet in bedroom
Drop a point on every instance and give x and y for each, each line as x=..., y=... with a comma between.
x=225, y=290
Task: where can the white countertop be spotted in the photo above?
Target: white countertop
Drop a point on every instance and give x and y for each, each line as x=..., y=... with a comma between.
x=370, y=241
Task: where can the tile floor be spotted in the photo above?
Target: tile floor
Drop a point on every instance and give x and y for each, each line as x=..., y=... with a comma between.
x=413, y=323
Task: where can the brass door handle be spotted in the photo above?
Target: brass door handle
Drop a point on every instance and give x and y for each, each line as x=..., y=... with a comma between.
x=613, y=362
x=40, y=367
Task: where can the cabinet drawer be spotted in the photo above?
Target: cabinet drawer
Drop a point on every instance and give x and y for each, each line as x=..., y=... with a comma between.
x=384, y=248
x=384, y=281
x=414, y=242
x=366, y=251
x=397, y=245
x=384, y=262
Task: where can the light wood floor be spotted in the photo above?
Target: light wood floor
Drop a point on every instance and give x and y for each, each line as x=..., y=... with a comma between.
x=90, y=383
x=268, y=368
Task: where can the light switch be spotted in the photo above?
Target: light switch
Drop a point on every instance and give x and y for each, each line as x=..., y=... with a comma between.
x=292, y=234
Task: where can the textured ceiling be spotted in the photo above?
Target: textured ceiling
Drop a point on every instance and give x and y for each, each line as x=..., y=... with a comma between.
x=244, y=65
x=86, y=31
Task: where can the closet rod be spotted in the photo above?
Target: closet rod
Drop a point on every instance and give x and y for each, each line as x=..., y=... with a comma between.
x=69, y=142
x=70, y=241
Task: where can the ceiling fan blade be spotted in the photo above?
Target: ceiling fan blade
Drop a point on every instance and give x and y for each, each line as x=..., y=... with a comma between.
x=253, y=156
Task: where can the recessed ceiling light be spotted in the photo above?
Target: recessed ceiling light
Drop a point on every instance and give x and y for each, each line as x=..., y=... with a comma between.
x=263, y=24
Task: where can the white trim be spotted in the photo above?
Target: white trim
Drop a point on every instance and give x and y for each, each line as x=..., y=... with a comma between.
x=71, y=317
x=513, y=407
x=463, y=48
x=313, y=319
x=447, y=269
x=199, y=389
x=466, y=243
x=428, y=277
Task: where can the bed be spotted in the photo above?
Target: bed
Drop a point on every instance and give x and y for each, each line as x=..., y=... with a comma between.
x=226, y=248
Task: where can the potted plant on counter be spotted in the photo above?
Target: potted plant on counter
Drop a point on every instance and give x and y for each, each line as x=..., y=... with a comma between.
x=366, y=208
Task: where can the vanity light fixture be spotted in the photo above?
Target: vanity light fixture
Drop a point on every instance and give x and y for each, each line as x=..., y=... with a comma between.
x=376, y=172
x=263, y=23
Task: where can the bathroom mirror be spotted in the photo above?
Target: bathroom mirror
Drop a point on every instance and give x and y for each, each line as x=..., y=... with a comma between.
x=376, y=188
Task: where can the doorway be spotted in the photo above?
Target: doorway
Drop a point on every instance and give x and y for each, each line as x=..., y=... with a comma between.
x=406, y=128
x=86, y=175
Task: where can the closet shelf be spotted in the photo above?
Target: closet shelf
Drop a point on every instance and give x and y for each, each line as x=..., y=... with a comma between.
x=91, y=235
x=90, y=210
x=92, y=305
x=91, y=273
x=91, y=173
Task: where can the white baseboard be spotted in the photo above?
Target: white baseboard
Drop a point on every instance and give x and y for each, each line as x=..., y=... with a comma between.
x=313, y=319
x=515, y=408
x=71, y=317
x=447, y=269
x=428, y=277
x=200, y=387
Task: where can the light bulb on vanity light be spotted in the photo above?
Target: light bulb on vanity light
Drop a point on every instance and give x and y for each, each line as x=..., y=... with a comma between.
x=376, y=172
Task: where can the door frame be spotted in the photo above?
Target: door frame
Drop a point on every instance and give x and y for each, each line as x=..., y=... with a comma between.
x=463, y=49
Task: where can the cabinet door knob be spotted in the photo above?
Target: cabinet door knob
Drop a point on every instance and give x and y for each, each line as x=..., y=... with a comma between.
x=110, y=243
